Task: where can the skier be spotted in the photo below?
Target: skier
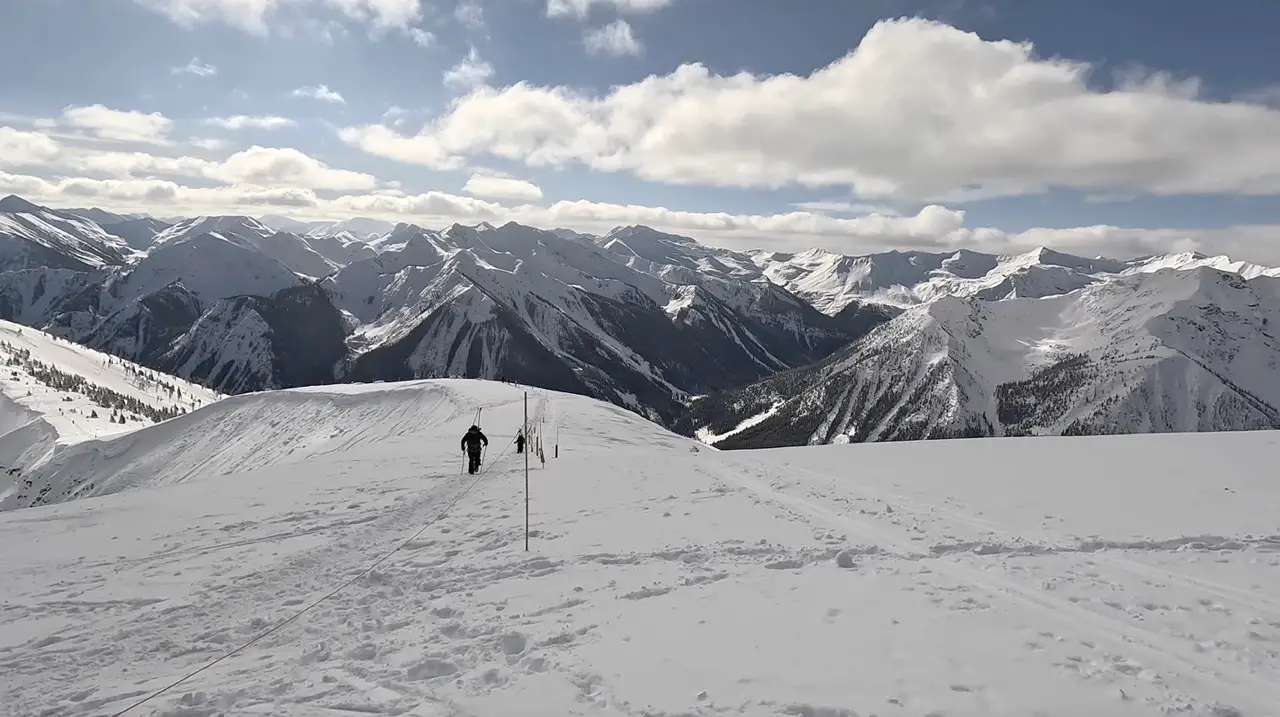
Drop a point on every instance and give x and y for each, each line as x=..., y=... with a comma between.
x=520, y=441
x=472, y=442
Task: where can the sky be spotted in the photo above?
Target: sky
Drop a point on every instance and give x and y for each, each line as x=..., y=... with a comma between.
x=1095, y=127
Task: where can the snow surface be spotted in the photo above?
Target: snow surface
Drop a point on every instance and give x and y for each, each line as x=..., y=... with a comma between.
x=69, y=411
x=54, y=393
x=1059, y=576
x=77, y=238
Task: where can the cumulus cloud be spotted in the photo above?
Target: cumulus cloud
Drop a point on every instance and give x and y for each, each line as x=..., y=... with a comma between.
x=383, y=141
x=580, y=9
x=500, y=187
x=124, y=126
x=259, y=167
x=614, y=39
x=235, y=122
x=321, y=93
x=19, y=148
x=471, y=71
x=919, y=111
x=256, y=16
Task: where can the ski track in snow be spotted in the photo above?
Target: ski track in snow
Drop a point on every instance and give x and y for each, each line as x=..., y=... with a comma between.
x=661, y=580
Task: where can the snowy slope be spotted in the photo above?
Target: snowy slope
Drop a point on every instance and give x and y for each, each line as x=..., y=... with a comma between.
x=35, y=236
x=660, y=580
x=210, y=265
x=56, y=393
x=291, y=250
x=1152, y=352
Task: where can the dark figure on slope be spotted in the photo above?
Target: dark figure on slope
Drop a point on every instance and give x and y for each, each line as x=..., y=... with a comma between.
x=520, y=442
x=473, y=442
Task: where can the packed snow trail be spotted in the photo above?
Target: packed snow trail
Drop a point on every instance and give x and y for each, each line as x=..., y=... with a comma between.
x=372, y=566
x=1077, y=576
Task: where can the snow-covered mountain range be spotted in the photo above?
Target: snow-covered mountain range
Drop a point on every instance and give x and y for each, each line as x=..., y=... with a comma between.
x=1171, y=350
x=234, y=304
x=646, y=320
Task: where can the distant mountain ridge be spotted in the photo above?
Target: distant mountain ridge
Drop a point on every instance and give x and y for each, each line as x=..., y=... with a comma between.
x=1162, y=351
x=235, y=304
x=804, y=347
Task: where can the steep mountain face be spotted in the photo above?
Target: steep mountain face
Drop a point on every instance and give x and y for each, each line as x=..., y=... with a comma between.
x=1161, y=351
x=529, y=305
x=209, y=307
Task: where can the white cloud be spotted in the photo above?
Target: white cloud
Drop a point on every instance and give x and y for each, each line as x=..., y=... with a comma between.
x=256, y=16
x=421, y=38
x=235, y=122
x=320, y=92
x=614, y=39
x=920, y=111
x=197, y=68
x=933, y=228
x=124, y=126
x=257, y=167
x=495, y=186
x=471, y=71
x=19, y=148
x=383, y=141
x=580, y=9
x=271, y=167
x=208, y=143
x=381, y=13
x=843, y=207
x=284, y=181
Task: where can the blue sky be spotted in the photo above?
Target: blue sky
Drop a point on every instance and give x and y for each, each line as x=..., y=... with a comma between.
x=1165, y=138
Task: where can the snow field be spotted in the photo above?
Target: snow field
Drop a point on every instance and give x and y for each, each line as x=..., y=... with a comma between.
x=1100, y=576
x=72, y=418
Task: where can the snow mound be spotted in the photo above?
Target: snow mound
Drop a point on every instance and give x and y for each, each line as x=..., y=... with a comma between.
x=251, y=432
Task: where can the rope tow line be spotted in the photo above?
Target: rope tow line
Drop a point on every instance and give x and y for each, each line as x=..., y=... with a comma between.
x=325, y=597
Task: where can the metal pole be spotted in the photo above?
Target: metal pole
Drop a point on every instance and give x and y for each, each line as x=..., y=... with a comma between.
x=526, y=474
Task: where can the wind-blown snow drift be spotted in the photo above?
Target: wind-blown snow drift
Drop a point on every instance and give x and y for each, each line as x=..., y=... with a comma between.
x=1104, y=576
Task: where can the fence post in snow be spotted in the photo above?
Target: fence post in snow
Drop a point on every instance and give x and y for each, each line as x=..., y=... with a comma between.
x=526, y=474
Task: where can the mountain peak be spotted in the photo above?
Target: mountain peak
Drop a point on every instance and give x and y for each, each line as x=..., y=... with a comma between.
x=13, y=204
x=640, y=231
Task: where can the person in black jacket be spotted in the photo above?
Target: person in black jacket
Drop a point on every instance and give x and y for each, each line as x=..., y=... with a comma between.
x=472, y=442
x=520, y=442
